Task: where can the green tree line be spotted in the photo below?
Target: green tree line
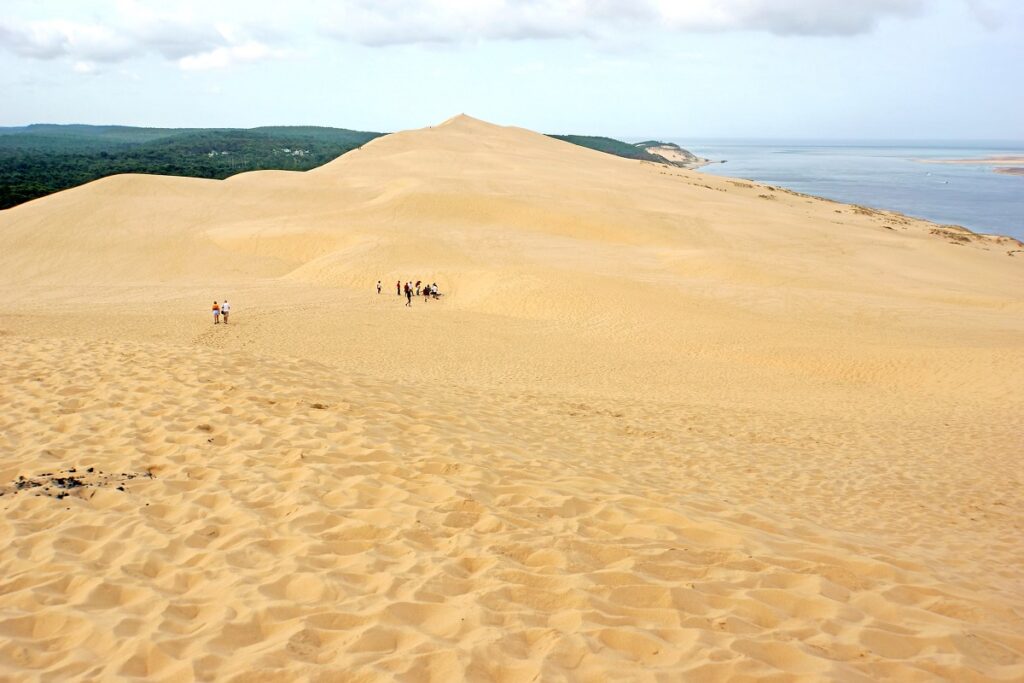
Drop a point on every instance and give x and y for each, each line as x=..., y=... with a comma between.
x=40, y=159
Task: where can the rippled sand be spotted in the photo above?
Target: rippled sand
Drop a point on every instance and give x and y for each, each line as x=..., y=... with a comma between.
x=662, y=426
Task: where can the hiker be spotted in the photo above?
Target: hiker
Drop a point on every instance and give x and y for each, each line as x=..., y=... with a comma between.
x=378, y=286
x=216, y=313
x=418, y=287
x=398, y=287
x=408, y=294
x=225, y=308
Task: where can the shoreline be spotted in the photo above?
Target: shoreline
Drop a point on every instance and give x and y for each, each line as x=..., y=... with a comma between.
x=1017, y=171
x=699, y=164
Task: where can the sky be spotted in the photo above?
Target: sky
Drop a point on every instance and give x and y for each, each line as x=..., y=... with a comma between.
x=676, y=69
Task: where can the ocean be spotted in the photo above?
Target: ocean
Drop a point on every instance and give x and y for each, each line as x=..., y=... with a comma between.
x=883, y=175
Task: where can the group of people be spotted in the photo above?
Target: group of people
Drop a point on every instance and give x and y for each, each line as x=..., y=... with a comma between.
x=410, y=290
x=221, y=311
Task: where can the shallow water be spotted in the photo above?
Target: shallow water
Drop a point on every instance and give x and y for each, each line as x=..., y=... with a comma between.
x=884, y=175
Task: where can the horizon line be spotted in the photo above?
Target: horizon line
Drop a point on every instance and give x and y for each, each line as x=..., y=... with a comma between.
x=626, y=138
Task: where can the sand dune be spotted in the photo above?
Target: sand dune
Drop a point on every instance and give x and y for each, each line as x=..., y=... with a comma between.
x=662, y=426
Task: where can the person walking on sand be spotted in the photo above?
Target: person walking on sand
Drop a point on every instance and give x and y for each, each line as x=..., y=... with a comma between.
x=378, y=286
x=398, y=287
x=216, y=313
x=408, y=294
x=418, y=287
x=225, y=308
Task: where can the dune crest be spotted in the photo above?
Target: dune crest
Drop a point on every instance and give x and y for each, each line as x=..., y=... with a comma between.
x=661, y=426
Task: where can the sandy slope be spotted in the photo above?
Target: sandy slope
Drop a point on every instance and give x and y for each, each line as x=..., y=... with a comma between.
x=662, y=424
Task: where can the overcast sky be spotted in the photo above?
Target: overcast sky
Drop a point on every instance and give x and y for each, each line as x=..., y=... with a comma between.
x=921, y=69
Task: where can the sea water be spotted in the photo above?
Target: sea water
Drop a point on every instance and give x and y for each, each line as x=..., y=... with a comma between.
x=884, y=175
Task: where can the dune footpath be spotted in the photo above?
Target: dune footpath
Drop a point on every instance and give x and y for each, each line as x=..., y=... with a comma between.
x=662, y=426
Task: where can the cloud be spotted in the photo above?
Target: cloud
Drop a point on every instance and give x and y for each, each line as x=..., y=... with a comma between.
x=397, y=22
x=52, y=39
x=136, y=30
x=223, y=57
x=790, y=17
x=393, y=22
x=207, y=35
x=987, y=12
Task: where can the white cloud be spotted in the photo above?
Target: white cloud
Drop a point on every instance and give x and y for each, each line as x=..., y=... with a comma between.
x=222, y=57
x=134, y=29
x=208, y=35
x=390, y=22
x=57, y=38
x=788, y=17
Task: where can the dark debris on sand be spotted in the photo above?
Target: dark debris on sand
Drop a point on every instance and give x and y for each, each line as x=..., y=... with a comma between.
x=62, y=484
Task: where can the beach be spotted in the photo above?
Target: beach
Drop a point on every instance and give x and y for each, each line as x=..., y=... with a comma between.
x=995, y=160
x=1002, y=164
x=660, y=426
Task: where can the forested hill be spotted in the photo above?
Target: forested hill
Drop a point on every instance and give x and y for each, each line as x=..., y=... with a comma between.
x=610, y=146
x=41, y=159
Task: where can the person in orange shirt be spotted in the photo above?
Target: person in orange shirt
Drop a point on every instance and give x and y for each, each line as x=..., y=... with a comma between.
x=216, y=313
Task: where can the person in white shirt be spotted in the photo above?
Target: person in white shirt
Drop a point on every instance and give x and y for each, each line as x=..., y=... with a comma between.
x=225, y=308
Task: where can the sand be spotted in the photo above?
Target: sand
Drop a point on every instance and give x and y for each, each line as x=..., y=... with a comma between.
x=662, y=426
x=995, y=159
x=678, y=157
x=1001, y=163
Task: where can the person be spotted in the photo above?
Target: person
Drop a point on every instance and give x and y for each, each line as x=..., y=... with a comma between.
x=418, y=287
x=216, y=313
x=378, y=286
x=408, y=294
x=398, y=287
x=225, y=309
x=433, y=289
